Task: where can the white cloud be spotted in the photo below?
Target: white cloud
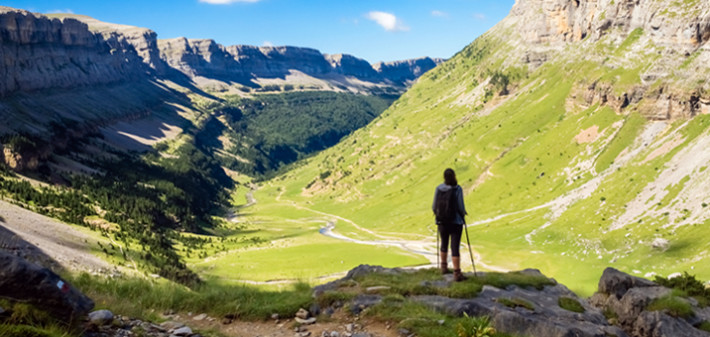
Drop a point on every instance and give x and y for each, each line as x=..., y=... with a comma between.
x=388, y=21
x=226, y=2
x=267, y=44
x=439, y=14
x=479, y=16
x=61, y=11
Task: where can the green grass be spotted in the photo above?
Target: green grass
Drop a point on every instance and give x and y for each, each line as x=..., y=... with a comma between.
x=674, y=306
x=13, y=330
x=419, y=283
x=145, y=298
x=570, y=304
x=422, y=321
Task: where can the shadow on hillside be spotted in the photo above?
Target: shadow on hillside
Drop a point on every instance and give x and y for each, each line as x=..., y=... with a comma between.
x=15, y=245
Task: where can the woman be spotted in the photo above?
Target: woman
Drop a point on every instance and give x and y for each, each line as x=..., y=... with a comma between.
x=450, y=211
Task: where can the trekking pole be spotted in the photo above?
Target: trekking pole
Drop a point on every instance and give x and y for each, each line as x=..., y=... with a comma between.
x=436, y=232
x=469, y=249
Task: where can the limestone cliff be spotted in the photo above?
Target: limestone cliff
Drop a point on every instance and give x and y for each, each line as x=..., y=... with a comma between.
x=249, y=64
x=665, y=41
x=42, y=53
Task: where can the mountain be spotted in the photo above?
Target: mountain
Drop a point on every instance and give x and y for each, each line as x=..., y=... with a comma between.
x=105, y=126
x=60, y=71
x=579, y=133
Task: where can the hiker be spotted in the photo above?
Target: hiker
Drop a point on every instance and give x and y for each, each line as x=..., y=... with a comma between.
x=450, y=212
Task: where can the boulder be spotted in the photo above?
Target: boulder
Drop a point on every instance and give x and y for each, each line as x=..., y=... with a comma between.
x=101, y=317
x=616, y=283
x=27, y=282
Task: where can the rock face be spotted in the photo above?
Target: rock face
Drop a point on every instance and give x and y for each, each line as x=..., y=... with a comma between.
x=42, y=53
x=559, y=21
x=628, y=298
x=673, y=38
x=242, y=64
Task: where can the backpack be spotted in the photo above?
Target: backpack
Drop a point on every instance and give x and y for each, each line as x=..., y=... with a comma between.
x=446, y=206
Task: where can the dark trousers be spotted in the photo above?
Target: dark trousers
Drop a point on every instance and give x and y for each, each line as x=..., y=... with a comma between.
x=453, y=232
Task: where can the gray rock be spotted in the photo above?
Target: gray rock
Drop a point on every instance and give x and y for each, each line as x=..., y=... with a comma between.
x=199, y=317
x=617, y=283
x=349, y=327
x=184, y=331
x=334, y=334
x=362, y=334
x=171, y=325
x=101, y=317
x=302, y=313
x=377, y=289
x=362, y=302
x=658, y=324
x=307, y=321
x=275, y=316
x=23, y=281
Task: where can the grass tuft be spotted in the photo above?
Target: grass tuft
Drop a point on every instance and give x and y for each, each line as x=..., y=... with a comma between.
x=570, y=304
x=515, y=302
x=674, y=306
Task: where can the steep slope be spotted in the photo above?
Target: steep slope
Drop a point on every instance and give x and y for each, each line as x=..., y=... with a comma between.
x=578, y=130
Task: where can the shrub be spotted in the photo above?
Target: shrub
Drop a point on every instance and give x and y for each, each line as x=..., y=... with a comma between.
x=689, y=285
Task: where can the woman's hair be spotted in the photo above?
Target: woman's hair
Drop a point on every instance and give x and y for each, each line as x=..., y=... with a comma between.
x=450, y=177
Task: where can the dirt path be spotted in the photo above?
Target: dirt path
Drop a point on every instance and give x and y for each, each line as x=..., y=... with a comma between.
x=46, y=240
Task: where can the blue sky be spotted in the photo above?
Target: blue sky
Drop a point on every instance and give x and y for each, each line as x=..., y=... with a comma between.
x=376, y=30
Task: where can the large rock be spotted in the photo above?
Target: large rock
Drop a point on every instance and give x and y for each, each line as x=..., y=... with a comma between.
x=26, y=282
x=546, y=318
x=628, y=297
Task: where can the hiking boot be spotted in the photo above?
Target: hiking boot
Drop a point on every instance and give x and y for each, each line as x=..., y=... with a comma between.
x=444, y=269
x=458, y=276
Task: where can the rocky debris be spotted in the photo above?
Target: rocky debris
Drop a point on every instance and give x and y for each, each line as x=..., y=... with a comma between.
x=121, y=326
x=628, y=298
x=27, y=282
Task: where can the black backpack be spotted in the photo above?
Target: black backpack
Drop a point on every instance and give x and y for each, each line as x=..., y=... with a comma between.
x=446, y=206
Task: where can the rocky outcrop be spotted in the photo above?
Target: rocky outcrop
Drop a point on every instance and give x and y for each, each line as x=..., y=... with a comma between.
x=628, y=297
x=514, y=309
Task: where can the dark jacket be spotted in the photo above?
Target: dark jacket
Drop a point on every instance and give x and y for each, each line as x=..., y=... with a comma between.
x=461, y=214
